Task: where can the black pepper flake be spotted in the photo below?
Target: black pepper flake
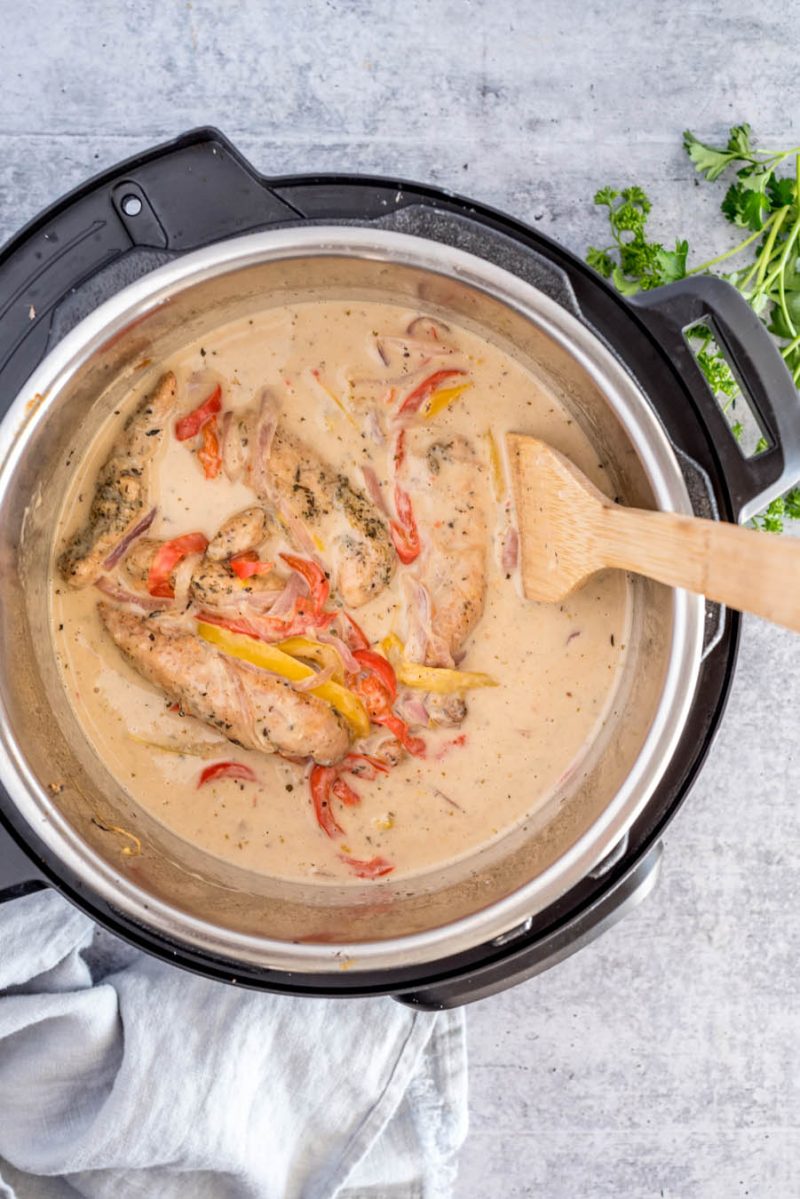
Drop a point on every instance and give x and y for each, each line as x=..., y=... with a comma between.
x=289, y=787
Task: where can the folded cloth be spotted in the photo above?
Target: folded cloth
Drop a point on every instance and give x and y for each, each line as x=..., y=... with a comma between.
x=122, y=1076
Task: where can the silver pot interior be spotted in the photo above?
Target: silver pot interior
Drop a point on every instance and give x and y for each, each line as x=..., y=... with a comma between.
x=70, y=798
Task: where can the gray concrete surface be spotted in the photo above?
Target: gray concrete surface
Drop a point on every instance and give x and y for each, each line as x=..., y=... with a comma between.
x=663, y=1060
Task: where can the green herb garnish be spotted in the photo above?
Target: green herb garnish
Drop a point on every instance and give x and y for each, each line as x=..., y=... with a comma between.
x=758, y=199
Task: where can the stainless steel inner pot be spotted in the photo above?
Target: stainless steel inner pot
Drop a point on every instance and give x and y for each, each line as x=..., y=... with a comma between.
x=74, y=805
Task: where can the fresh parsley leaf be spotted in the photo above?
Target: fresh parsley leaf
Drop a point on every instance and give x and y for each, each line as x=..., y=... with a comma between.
x=710, y=161
x=606, y=195
x=780, y=191
x=737, y=428
x=771, y=519
x=627, y=287
x=601, y=260
x=717, y=373
x=745, y=205
x=739, y=140
x=791, y=503
x=761, y=445
x=672, y=263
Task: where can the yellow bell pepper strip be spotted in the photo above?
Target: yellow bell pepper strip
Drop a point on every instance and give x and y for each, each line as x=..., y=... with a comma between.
x=415, y=399
x=442, y=399
x=314, y=651
x=269, y=657
x=431, y=678
x=496, y=466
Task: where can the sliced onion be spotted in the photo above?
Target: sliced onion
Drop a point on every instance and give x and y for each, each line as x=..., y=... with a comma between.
x=509, y=554
x=427, y=327
x=283, y=606
x=263, y=433
x=298, y=534
x=423, y=643
x=236, y=441
x=137, y=530
x=115, y=591
x=183, y=580
x=412, y=710
x=418, y=619
x=315, y=680
x=373, y=427
x=373, y=486
x=350, y=663
x=384, y=746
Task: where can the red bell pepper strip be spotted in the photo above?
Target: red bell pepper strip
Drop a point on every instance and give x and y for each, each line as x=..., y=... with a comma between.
x=227, y=770
x=322, y=780
x=413, y=745
x=191, y=424
x=377, y=700
x=344, y=792
x=209, y=455
x=365, y=766
x=244, y=566
x=167, y=558
x=404, y=530
x=355, y=635
x=318, y=582
x=272, y=628
x=400, y=450
x=375, y=868
x=415, y=399
x=372, y=661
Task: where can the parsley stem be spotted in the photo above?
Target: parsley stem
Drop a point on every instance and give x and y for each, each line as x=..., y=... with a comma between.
x=696, y=270
x=779, y=273
x=766, y=254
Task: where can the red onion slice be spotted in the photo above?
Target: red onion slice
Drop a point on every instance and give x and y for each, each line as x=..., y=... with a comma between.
x=373, y=427
x=316, y=680
x=427, y=327
x=412, y=710
x=373, y=486
x=265, y=426
x=350, y=663
x=137, y=530
x=183, y=580
x=283, y=606
x=509, y=554
x=113, y=590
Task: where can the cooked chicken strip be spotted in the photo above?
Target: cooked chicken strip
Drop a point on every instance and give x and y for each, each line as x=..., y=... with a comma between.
x=446, y=481
x=239, y=533
x=355, y=538
x=251, y=708
x=121, y=495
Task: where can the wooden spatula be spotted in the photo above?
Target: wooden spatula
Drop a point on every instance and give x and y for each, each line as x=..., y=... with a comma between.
x=569, y=530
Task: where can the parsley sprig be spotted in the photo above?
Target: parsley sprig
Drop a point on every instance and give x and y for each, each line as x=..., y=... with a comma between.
x=759, y=199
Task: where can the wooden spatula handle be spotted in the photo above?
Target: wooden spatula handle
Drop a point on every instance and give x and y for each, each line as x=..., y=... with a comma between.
x=743, y=568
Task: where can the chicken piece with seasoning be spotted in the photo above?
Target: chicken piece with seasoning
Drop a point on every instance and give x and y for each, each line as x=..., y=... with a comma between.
x=252, y=708
x=325, y=514
x=121, y=507
x=448, y=483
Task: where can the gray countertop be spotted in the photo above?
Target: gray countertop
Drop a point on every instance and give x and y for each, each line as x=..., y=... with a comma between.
x=661, y=1061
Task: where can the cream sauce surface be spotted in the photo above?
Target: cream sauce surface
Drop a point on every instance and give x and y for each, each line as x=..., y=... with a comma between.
x=556, y=666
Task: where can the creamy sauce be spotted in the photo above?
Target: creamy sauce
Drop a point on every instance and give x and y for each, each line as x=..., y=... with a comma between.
x=556, y=666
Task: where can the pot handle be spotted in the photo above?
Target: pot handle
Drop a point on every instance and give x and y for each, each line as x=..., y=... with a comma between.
x=19, y=874
x=759, y=369
x=175, y=197
x=548, y=950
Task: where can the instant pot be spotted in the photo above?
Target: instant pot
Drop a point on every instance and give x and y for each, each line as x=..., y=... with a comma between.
x=122, y=272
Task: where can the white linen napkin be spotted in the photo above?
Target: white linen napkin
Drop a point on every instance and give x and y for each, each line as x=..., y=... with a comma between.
x=123, y=1077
